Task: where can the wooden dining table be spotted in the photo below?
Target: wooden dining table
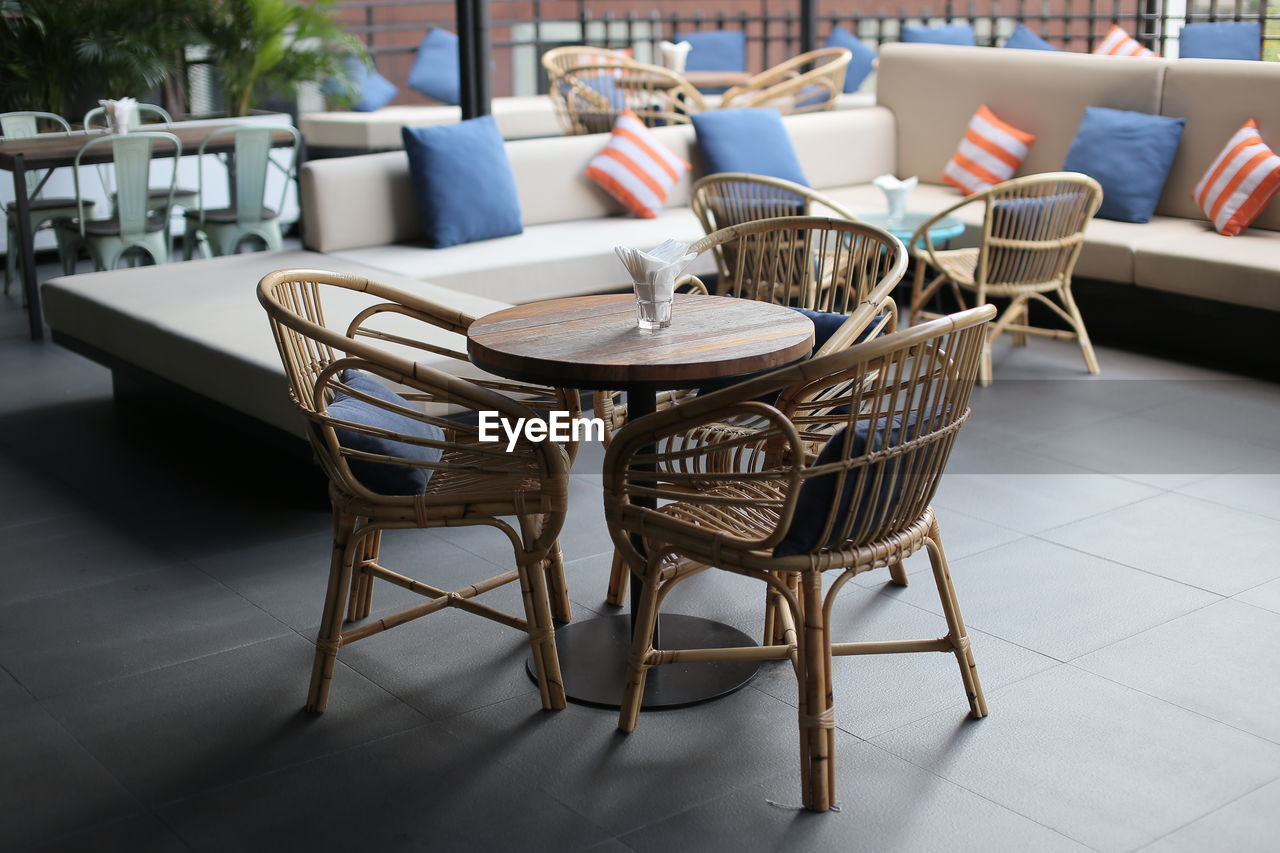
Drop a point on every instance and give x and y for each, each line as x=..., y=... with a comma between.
x=593, y=342
x=57, y=150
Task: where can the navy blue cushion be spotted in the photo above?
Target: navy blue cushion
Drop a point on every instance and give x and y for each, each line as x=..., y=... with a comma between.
x=863, y=57
x=749, y=140
x=462, y=182
x=380, y=477
x=961, y=34
x=1024, y=39
x=435, y=68
x=814, y=503
x=1129, y=154
x=372, y=91
x=827, y=323
x=715, y=50
x=1221, y=40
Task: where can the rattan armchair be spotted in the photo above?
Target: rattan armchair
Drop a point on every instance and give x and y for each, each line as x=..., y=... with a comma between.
x=732, y=198
x=816, y=263
x=810, y=82
x=887, y=412
x=1032, y=233
x=592, y=96
x=523, y=493
x=559, y=59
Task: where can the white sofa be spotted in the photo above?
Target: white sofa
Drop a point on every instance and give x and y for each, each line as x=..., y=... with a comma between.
x=199, y=325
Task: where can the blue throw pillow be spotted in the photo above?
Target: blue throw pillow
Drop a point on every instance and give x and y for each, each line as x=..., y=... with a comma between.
x=435, y=68
x=715, y=50
x=879, y=481
x=748, y=140
x=1129, y=154
x=1221, y=40
x=960, y=34
x=372, y=90
x=1024, y=39
x=462, y=182
x=383, y=478
x=863, y=62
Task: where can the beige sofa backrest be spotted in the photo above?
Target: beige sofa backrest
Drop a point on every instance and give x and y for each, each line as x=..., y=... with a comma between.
x=1216, y=97
x=934, y=90
x=367, y=200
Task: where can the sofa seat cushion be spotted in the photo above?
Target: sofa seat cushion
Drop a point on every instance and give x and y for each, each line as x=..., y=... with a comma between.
x=1190, y=257
x=204, y=329
x=522, y=117
x=547, y=261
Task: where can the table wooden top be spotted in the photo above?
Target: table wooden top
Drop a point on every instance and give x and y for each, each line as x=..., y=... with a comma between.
x=593, y=342
x=49, y=150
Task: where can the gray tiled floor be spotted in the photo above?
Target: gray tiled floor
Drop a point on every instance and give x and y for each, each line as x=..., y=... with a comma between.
x=1113, y=543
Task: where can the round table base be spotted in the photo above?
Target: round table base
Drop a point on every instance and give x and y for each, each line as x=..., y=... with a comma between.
x=593, y=656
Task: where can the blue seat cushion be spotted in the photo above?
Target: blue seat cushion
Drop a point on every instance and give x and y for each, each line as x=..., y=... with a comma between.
x=747, y=140
x=863, y=62
x=462, y=182
x=876, y=484
x=959, y=34
x=1221, y=40
x=372, y=91
x=1129, y=154
x=826, y=324
x=381, y=477
x=1024, y=39
x=435, y=68
x=715, y=50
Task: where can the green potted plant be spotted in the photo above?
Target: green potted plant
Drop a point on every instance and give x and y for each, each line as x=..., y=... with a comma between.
x=263, y=47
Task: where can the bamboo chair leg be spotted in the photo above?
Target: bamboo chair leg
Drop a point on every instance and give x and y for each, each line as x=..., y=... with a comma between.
x=641, y=643
x=361, y=603
x=537, y=610
x=618, y=577
x=1023, y=318
x=1086, y=346
x=898, y=574
x=956, y=632
x=329, y=638
x=561, y=607
x=817, y=707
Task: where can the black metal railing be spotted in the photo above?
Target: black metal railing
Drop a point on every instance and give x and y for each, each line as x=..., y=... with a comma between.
x=521, y=31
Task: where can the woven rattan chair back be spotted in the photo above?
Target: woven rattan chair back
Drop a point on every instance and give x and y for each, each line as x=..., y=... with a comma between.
x=1032, y=233
x=1033, y=229
x=810, y=82
x=896, y=404
x=812, y=262
x=732, y=198
x=557, y=60
x=595, y=94
x=326, y=324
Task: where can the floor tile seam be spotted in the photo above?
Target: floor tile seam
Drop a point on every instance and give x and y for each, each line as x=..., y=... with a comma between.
x=166, y=804
x=1158, y=493
x=1173, y=704
x=1236, y=598
x=951, y=558
x=155, y=669
x=1122, y=564
x=1160, y=624
x=1222, y=505
x=97, y=825
x=977, y=518
x=447, y=720
x=992, y=692
x=981, y=796
x=1201, y=817
x=30, y=696
x=178, y=563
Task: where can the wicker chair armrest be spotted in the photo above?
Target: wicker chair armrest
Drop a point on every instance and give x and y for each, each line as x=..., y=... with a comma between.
x=691, y=284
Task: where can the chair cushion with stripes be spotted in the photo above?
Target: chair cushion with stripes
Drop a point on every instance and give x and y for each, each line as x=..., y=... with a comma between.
x=1240, y=182
x=989, y=153
x=1118, y=42
x=636, y=168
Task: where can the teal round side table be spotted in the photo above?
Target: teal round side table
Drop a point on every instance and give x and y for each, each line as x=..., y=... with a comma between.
x=946, y=228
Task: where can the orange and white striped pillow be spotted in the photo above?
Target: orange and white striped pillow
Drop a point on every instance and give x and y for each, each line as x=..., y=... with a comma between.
x=636, y=168
x=989, y=153
x=1243, y=178
x=1117, y=42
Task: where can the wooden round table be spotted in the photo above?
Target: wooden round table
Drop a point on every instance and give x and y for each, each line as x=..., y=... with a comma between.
x=593, y=342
